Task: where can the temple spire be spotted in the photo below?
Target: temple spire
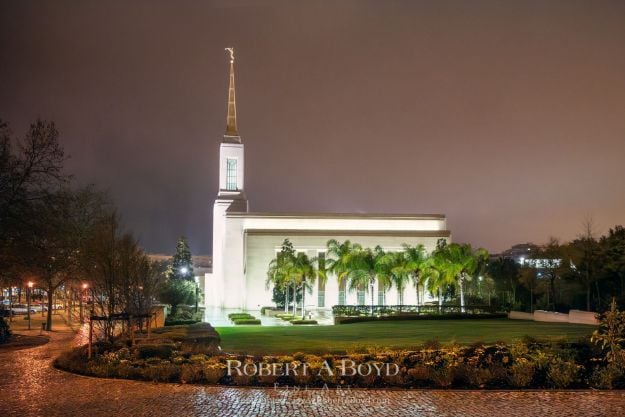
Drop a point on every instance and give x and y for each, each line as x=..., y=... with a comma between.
x=231, y=118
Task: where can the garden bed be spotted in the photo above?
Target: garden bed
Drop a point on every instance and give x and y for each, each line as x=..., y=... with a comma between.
x=243, y=319
x=526, y=364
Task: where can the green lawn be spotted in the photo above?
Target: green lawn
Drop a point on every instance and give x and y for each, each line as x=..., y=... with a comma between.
x=400, y=334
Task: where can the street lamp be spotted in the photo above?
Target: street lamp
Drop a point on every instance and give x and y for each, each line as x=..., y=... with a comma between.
x=82, y=294
x=30, y=286
x=197, y=291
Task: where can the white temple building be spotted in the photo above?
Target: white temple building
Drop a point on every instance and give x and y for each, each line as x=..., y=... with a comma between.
x=244, y=242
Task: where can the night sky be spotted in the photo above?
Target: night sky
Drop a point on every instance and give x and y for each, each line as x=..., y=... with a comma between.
x=507, y=116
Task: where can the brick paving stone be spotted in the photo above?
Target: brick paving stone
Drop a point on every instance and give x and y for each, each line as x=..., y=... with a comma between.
x=29, y=386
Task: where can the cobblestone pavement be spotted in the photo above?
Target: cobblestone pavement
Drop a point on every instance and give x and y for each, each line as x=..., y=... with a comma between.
x=29, y=386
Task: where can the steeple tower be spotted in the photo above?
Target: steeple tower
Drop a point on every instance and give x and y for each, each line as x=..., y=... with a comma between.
x=231, y=155
x=231, y=117
x=230, y=199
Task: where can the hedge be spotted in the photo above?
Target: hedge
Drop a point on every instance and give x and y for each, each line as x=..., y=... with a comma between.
x=246, y=321
x=304, y=322
x=233, y=316
x=162, y=351
x=178, y=322
x=454, y=316
x=263, y=310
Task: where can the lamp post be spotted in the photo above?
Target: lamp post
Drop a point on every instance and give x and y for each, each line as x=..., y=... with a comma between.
x=82, y=294
x=30, y=286
x=197, y=290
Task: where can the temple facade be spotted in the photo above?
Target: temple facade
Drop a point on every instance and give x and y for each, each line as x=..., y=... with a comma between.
x=245, y=242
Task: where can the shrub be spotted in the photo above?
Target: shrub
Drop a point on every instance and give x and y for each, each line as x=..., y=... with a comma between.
x=432, y=344
x=179, y=322
x=191, y=372
x=73, y=360
x=611, y=335
x=234, y=316
x=5, y=331
x=605, y=377
x=466, y=375
x=562, y=373
x=163, y=372
x=304, y=322
x=214, y=371
x=521, y=374
x=162, y=351
x=419, y=375
x=246, y=321
x=128, y=371
x=176, y=292
x=442, y=377
x=399, y=380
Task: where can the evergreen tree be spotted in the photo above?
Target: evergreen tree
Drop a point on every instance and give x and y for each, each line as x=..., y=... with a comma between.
x=181, y=263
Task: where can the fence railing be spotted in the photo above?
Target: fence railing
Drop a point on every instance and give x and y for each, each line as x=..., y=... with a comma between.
x=389, y=310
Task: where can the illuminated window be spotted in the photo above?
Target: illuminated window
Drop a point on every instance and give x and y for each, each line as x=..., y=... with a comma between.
x=231, y=174
x=381, y=294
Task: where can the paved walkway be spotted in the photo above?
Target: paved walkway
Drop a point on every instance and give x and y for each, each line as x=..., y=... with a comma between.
x=30, y=387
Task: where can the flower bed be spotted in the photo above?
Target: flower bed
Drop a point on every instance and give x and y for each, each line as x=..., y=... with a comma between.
x=522, y=365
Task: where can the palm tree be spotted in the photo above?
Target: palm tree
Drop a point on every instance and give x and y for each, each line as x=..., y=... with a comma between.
x=281, y=270
x=364, y=268
x=394, y=269
x=462, y=261
x=339, y=257
x=438, y=274
x=416, y=262
x=304, y=274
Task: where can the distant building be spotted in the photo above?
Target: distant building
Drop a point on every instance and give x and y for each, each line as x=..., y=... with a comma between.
x=526, y=254
x=520, y=253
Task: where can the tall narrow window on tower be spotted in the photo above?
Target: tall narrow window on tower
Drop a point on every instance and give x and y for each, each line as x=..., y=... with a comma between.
x=231, y=174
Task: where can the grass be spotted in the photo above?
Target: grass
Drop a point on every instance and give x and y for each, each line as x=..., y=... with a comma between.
x=395, y=335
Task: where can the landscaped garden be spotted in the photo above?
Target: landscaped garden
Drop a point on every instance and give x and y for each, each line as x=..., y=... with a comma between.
x=392, y=335
x=437, y=354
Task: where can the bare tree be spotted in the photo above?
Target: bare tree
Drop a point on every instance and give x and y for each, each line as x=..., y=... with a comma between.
x=123, y=281
x=49, y=245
